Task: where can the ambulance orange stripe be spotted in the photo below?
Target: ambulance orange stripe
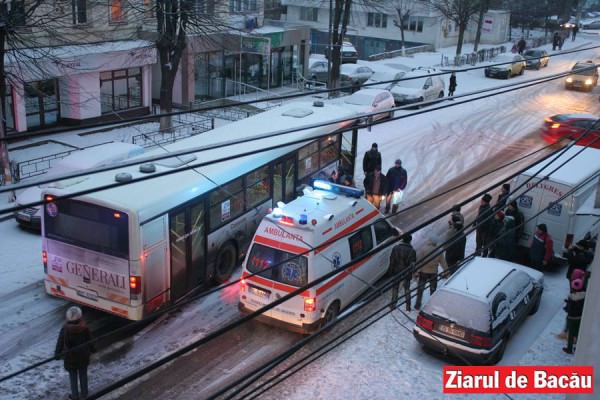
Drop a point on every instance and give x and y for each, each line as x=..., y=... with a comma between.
x=272, y=284
x=350, y=228
x=341, y=276
x=326, y=231
x=290, y=248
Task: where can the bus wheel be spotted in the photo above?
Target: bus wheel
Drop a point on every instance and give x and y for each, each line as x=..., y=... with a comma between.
x=225, y=262
x=331, y=314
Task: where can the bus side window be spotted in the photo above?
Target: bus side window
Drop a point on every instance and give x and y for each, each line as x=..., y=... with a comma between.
x=361, y=242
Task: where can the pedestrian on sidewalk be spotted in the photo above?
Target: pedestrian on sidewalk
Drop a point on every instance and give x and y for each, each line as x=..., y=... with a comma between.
x=452, y=85
x=397, y=179
x=371, y=159
x=574, y=32
x=483, y=224
x=521, y=45
x=574, y=309
x=455, y=250
x=74, y=341
x=428, y=273
x=541, y=248
x=503, y=196
x=556, y=41
x=402, y=264
x=376, y=187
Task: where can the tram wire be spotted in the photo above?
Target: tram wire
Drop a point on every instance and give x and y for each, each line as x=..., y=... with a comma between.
x=268, y=99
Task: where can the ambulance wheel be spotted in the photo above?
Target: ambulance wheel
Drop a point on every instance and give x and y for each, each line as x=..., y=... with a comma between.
x=225, y=262
x=331, y=314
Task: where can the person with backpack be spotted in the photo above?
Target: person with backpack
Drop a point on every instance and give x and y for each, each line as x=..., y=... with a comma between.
x=402, y=262
x=74, y=347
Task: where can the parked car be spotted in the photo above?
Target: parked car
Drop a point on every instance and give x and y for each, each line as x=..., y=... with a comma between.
x=584, y=76
x=370, y=100
x=317, y=70
x=353, y=75
x=536, y=58
x=592, y=25
x=513, y=64
x=479, y=309
x=559, y=126
x=348, y=53
x=421, y=88
x=385, y=76
x=91, y=157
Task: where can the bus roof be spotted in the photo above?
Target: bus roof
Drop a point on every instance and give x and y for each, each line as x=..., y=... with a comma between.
x=573, y=172
x=153, y=197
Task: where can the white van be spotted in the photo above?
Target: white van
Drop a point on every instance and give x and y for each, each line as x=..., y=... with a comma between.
x=570, y=219
x=97, y=156
x=285, y=240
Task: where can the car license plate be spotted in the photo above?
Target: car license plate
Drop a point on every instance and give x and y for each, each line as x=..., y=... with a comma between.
x=450, y=330
x=88, y=295
x=259, y=292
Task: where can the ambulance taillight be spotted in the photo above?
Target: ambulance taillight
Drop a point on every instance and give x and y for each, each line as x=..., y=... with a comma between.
x=310, y=304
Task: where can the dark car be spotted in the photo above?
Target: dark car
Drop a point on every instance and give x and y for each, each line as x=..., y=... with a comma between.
x=584, y=76
x=536, y=58
x=348, y=53
x=573, y=126
x=478, y=309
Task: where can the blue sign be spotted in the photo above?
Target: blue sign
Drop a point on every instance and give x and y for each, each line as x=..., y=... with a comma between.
x=291, y=272
x=525, y=201
x=554, y=209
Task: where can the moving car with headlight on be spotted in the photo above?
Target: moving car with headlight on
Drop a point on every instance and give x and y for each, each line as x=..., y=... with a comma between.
x=478, y=309
x=572, y=126
x=509, y=65
x=536, y=58
x=584, y=76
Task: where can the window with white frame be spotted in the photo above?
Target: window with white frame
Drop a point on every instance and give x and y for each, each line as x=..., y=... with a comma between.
x=309, y=14
x=377, y=20
x=414, y=24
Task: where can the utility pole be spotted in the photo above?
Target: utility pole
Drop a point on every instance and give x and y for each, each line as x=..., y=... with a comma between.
x=329, y=47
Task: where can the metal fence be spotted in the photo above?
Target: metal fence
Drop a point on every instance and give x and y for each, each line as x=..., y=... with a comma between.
x=397, y=53
x=472, y=58
x=184, y=125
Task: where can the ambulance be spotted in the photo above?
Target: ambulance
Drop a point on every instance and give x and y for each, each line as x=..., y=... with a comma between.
x=326, y=228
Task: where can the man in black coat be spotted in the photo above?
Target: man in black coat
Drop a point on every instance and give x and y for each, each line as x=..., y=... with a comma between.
x=483, y=224
x=376, y=187
x=402, y=261
x=455, y=251
x=503, y=196
x=397, y=179
x=371, y=159
x=74, y=339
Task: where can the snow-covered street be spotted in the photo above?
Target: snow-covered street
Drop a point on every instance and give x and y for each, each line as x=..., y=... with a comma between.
x=438, y=147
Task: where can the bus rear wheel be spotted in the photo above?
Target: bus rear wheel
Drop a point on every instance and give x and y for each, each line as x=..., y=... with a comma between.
x=225, y=262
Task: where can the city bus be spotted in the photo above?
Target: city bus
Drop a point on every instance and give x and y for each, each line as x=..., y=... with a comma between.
x=131, y=249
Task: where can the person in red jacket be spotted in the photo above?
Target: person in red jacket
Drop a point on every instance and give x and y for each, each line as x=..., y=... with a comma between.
x=541, y=249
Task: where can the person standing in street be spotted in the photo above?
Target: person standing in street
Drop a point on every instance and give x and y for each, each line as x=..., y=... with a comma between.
x=503, y=196
x=521, y=45
x=376, y=187
x=371, y=159
x=505, y=247
x=574, y=309
x=428, y=273
x=402, y=263
x=452, y=85
x=574, y=32
x=556, y=41
x=74, y=341
x=483, y=224
x=455, y=250
x=397, y=179
x=541, y=248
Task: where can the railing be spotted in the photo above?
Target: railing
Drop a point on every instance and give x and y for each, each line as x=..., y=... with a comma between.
x=232, y=113
x=397, y=53
x=472, y=58
x=255, y=93
x=185, y=125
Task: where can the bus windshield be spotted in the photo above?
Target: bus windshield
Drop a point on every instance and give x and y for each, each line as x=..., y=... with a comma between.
x=87, y=225
x=290, y=269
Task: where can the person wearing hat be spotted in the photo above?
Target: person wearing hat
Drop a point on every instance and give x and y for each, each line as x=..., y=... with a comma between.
x=402, y=262
x=503, y=196
x=428, y=272
x=578, y=256
x=505, y=247
x=483, y=225
x=495, y=230
x=375, y=185
x=457, y=241
x=371, y=159
x=512, y=210
x=397, y=180
x=541, y=248
x=75, y=347
x=456, y=216
x=574, y=310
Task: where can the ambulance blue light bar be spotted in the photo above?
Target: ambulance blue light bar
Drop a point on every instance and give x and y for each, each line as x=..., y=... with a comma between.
x=339, y=189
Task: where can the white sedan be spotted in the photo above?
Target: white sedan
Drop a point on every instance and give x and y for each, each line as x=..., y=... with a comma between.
x=370, y=100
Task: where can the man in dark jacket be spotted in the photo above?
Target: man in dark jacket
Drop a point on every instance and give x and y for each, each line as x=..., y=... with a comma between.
x=512, y=209
x=505, y=247
x=376, y=187
x=455, y=252
x=483, y=224
x=521, y=45
x=402, y=263
x=494, y=232
x=371, y=159
x=541, y=249
x=574, y=309
x=503, y=195
x=578, y=256
x=452, y=85
x=74, y=340
x=397, y=180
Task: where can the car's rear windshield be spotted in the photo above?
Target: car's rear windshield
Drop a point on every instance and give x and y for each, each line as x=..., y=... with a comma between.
x=503, y=58
x=584, y=69
x=533, y=53
x=412, y=83
x=463, y=310
x=278, y=265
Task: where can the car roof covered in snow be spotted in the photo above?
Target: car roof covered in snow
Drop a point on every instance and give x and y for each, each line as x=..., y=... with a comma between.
x=585, y=163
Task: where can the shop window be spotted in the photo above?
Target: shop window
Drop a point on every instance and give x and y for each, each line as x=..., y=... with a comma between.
x=41, y=103
x=120, y=89
x=309, y=14
x=9, y=110
x=79, y=11
x=116, y=11
x=377, y=20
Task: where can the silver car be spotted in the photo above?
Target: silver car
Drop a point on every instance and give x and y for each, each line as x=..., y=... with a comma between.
x=354, y=75
x=479, y=308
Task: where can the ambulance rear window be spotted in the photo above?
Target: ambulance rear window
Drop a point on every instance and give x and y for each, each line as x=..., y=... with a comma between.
x=278, y=265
